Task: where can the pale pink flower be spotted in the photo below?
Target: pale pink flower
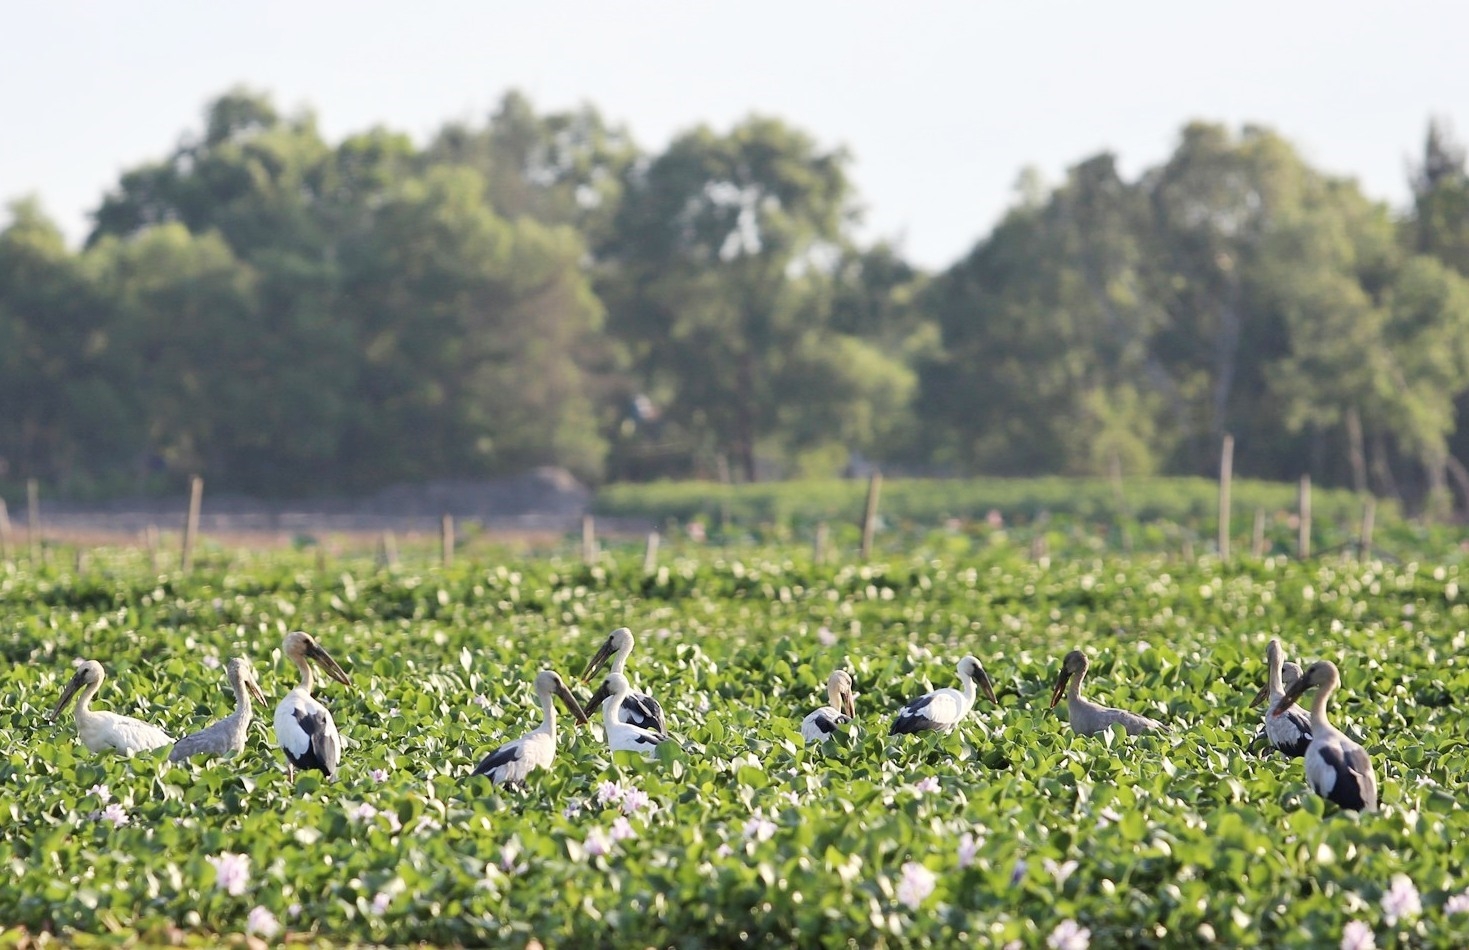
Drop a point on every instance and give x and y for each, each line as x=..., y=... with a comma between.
x=825, y=637
x=210, y=661
x=508, y=854
x=1458, y=904
x=622, y=829
x=116, y=814
x=760, y=828
x=102, y=793
x=1060, y=871
x=479, y=700
x=379, y=775
x=723, y=851
x=634, y=800
x=572, y=809
x=597, y=843
x=926, y=786
x=968, y=848
x=917, y=883
x=1069, y=935
x=380, y=902
x=262, y=922
x=363, y=812
x=1357, y=936
x=609, y=792
x=294, y=910
x=231, y=872
x=1401, y=902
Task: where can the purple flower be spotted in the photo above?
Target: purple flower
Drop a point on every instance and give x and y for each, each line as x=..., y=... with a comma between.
x=294, y=910
x=917, y=883
x=1357, y=936
x=597, y=843
x=479, y=700
x=380, y=902
x=379, y=775
x=723, y=851
x=363, y=812
x=262, y=922
x=1401, y=902
x=102, y=793
x=622, y=829
x=1458, y=904
x=116, y=814
x=926, y=786
x=212, y=662
x=825, y=637
x=634, y=800
x=609, y=792
x=1018, y=875
x=231, y=872
x=572, y=809
x=968, y=847
x=1069, y=935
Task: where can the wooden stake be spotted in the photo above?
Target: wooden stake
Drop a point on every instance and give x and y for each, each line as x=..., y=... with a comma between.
x=4, y=531
x=446, y=540
x=150, y=541
x=1226, y=476
x=1303, y=535
x=650, y=553
x=33, y=518
x=191, y=523
x=818, y=547
x=869, y=516
x=388, y=555
x=1257, y=545
x=588, y=539
x=1369, y=515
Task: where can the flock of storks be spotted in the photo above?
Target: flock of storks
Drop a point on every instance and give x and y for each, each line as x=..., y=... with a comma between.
x=1337, y=768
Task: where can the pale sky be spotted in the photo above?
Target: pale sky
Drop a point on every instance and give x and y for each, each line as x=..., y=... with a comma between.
x=941, y=104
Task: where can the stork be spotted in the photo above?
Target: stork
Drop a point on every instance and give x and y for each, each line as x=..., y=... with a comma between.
x=820, y=724
x=513, y=761
x=1337, y=768
x=100, y=731
x=1290, y=733
x=1088, y=718
x=640, y=709
x=943, y=708
x=226, y=737
x=303, y=727
x=624, y=736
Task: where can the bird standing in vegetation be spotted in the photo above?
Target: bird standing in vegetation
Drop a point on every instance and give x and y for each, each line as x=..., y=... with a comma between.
x=513, y=761
x=1290, y=733
x=1337, y=768
x=100, y=731
x=1088, y=718
x=624, y=736
x=303, y=727
x=226, y=737
x=639, y=709
x=943, y=708
x=819, y=725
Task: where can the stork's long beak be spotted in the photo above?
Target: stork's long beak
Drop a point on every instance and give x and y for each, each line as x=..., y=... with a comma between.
x=986, y=687
x=572, y=705
x=329, y=665
x=1261, y=696
x=599, y=697
x=70, y=691
x=603, y=655
x=848, y=709
x=1292, y=694
x=254, y=689
x=1060, y=689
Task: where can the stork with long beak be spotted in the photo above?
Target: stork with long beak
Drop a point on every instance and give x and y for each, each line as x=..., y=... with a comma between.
x=639, y=709
x=226, y=737
x=1290, y=733
x=303, y=727
x=100, y=731
x=819, y=725
x=942, y=709
x=515, y=760
x=1337, y=768
x=624, y=736
x=1088, y=718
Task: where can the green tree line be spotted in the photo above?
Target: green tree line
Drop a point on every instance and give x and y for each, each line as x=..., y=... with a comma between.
x=287, y=315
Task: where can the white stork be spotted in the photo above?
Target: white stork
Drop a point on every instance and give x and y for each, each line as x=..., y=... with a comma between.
x=513, y=761
x=943, y=708
x=624, y=736
x=640, y=709
x=100, y=731
x=1290, y=733
x=1337, y=768
x=819, y=725
x=226, y=737
x=303, y=727
x=1088, y=718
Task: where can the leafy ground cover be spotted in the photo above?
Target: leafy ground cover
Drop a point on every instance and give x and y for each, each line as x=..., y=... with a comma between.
x=1010, y=831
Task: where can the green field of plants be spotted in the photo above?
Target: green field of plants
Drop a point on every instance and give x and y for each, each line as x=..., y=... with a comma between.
x=1010, y=831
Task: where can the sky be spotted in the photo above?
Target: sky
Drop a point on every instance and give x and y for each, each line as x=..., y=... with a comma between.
x=940, y=104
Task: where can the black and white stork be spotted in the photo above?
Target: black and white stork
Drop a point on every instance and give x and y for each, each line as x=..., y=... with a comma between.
x=100, y=731
x=819, y=725
x=943, y=708
x=513, y=761
x=303, y=727
x=639, y=709
x=1291, y=732
x=1337, y=768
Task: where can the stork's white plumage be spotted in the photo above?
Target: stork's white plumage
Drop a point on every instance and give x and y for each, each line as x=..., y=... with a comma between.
x=100, y=731
x=513, y=761
x=624, y=736
x=820, y=725
x=1337, y=768
x=226, y=737
x=1291, y=732
x=303, y=727
x=640, y=709
x=942, y=709
x=1089, y=718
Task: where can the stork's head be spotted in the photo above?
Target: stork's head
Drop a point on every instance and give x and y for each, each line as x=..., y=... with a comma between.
x=610, y=694
x=1321, y=673
x=241, y=673
x=300, y=647
x=971, y=670
x=617, y=641
x=839, y=691
x=1075, y=664
x=549, y=683
x=88, y=673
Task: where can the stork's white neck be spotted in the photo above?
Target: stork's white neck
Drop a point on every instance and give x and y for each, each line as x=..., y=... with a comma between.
x=1318, y=708
x=308, y=680
x=1073, y=689
x=619, y=659
x=1276, y=685
x=548, y=716
x=82, y=709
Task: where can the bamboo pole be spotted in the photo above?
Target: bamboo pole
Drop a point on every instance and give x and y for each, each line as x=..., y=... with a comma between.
x=150, y=541
x=446, y=540
x=4, y=531
x=1226, y=477
x=818, y=547
x=1257, y=544
x=1369, y=517
x=191, y=524
x=588, y=539
x=33, y=518
x=869, y=516
x=650, y=553
x=1303, y=534
x=388, y=554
